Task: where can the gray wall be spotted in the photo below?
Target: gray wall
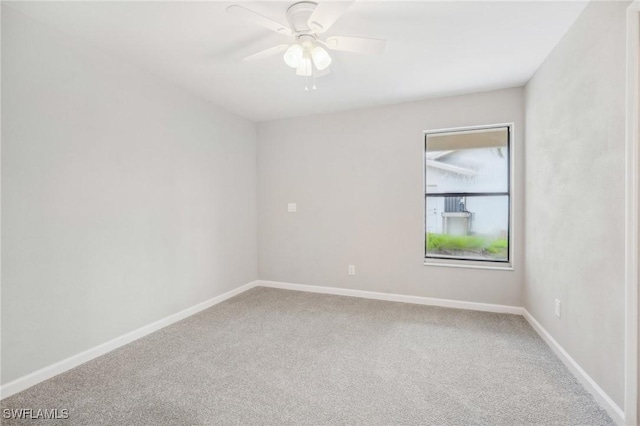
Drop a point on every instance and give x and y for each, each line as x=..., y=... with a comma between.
x=357, y=178
x=575, y=124
x=124, y=200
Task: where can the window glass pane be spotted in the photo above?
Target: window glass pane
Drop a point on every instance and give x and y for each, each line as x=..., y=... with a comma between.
x=471, y=161
x=473, y=227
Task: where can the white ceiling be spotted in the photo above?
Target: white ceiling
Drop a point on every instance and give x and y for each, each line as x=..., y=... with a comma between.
x=434, y=49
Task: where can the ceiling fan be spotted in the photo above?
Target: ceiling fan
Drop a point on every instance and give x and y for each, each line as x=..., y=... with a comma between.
x=308, y=21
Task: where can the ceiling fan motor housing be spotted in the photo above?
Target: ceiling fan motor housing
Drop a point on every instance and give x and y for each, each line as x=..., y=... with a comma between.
x=298, y=16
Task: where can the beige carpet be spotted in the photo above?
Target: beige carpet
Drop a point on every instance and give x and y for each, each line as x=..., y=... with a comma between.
x=283, y=357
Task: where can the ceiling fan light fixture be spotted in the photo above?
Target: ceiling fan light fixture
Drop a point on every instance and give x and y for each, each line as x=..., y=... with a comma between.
x=309, y=20
x=321, y=58
x=294, y=55
x=305, y=68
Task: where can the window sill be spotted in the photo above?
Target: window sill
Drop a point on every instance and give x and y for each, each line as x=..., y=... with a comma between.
x=469, y=264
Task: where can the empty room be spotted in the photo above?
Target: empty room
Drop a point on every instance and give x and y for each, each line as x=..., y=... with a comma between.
x=319, y=212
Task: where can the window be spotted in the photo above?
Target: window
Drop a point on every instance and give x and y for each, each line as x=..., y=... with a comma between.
x=468, y=196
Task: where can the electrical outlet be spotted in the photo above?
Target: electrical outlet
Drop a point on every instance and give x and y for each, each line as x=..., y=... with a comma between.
x=292, y=207
x=352, y=269
x=558, y=306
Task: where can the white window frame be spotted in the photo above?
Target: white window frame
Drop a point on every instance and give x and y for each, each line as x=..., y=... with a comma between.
x=469, y=263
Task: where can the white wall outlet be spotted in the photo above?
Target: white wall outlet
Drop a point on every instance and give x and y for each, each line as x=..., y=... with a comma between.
x=352, y=269
x=557, y=306
x=292, y=207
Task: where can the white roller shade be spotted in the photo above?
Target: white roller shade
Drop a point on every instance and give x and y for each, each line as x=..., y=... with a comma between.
x=468, y=139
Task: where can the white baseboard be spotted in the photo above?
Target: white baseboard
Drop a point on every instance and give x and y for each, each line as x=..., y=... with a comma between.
x=417, y=300
x=616, y=413
x=50, y=371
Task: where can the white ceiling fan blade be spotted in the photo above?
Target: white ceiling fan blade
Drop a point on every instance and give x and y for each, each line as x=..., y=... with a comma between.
x=326, y=13
x=267, y=52
x=256, y=18
x=367, y=46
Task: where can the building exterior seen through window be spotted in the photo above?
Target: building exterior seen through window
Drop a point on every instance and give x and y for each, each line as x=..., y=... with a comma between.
x=467, y=194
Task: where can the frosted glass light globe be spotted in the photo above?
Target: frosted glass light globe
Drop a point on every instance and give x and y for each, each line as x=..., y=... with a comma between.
x=293, y=56
x=305, y=68
x=320, y=58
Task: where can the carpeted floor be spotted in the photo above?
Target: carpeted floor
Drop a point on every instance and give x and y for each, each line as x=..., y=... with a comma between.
x=284, y=357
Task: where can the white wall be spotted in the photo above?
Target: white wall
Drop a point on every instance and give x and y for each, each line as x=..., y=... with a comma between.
x=575, y=123
x=357, y=178
x=124, y=199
